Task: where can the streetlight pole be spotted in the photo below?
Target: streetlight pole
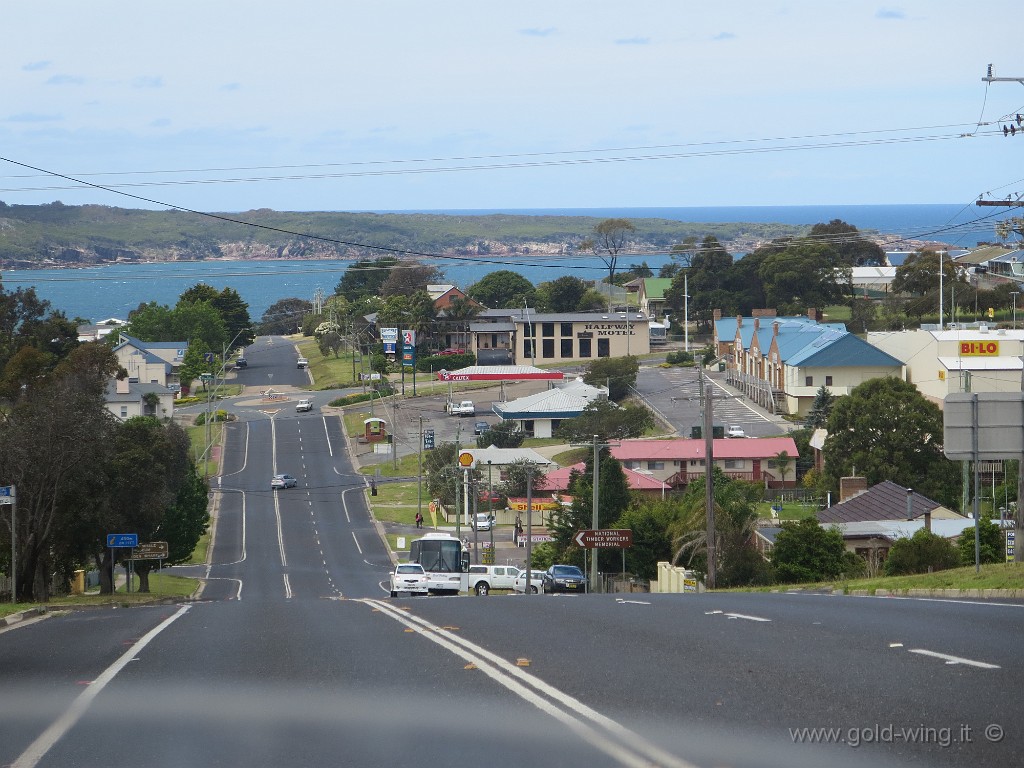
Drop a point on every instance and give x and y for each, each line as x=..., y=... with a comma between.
x=1014, y=294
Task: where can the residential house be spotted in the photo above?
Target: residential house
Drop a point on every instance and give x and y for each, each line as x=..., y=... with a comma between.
x=151, y=362
x=539, y=415
x=642, y=482
x=651, y=296
x=126, y=399
x=781, y=363
x=97, y=331
x=679, y=461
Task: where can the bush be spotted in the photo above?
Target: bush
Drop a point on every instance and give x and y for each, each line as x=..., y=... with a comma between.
x=219, y=415
x=679, y=358
x=359, y=397
x=920, y=552
x=445, y=362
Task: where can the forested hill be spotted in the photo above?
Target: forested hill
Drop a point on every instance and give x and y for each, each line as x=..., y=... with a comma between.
x=64, y=235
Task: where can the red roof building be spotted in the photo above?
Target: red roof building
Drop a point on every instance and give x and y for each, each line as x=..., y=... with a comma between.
x=558, y=480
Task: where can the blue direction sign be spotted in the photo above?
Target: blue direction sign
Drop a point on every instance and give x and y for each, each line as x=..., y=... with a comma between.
x=6, y=494
x=428, y=439
x=122, y=540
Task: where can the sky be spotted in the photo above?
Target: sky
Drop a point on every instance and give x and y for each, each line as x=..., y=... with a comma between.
x=394, y=105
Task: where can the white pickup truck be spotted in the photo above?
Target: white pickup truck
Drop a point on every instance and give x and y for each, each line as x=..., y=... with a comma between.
x=465, y=408
x=303, y=405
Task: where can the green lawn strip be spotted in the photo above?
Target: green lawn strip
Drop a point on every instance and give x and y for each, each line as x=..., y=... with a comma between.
x=202, y=547
x=791, y=510
x=572, y=456
x=992, y=576
x=408, y=466
x=161, y=586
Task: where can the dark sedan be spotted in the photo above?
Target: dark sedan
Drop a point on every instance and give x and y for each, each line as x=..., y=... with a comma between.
x=564, y=578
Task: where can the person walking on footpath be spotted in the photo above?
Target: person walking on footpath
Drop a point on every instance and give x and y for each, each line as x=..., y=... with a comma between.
x=419, y=520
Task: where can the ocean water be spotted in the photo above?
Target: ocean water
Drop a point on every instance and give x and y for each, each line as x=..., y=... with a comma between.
x=112, y=291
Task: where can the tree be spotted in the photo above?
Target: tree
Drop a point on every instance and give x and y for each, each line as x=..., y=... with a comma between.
x=365, y=278
x=195, y=363
x=992, y=544
x=887, y=430
x=613, y=500
x=611, y=236
x=617, y=373
x=853, y=249
x=922, y=552
x=608, y=421
x=504, y=434
x=649, y=521
x=708, y=282
x=409, y=276
x=283, y=316
x=806, y=552
x=517, y=479
x=817, y=417
x=561, y=295
x=503, y=289
x=805, y=274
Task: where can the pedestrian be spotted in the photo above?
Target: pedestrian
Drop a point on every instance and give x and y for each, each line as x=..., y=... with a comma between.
x=419, y=520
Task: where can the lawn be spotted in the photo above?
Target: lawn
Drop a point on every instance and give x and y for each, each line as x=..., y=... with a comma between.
x=791, y=510
x=161, y=586
x=991, y=576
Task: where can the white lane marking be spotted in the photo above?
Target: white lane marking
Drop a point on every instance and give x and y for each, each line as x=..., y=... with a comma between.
x=330, y=450
x=245, y=455
x=620, y=601
x=38, y=748
x=711, y=613
x=953, y=659
x=895, y=645
x=630, y=749
x=344, y=502
x=238, y=594
x=287, y=587
x=744, y=616
x=987, y=603
x=213, y=541
x=280, y=532
x=357, y=542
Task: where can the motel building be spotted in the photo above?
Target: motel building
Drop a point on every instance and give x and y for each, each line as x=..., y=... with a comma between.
x=982, y=359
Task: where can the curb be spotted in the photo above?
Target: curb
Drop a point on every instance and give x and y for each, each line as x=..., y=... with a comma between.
x=947, y=593
x=28, y=613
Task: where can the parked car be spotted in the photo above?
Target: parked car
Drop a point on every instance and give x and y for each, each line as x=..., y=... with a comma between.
x=302, y=362
x=480, y=427
x=408, y=577
x=536, y=582
x=564, y=578
x=451, y=351
x=465, y=408
x=483, y=521
x=304, y=405
x=283, y=481
x=241, y=363
x=735, y=431
x=481, y=579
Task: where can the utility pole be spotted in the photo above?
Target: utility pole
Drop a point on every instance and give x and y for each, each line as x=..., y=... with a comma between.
x=1012, y=130
x=709, y=481
x=597, y=445
x=529, y=527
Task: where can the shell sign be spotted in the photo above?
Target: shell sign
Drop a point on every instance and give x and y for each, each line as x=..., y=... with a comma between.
x=979, y=348
x=466, y=460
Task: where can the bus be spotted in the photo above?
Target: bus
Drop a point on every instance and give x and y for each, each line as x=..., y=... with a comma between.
x=444, y=559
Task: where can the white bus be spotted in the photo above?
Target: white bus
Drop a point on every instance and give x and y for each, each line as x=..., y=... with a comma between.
x=444, y=559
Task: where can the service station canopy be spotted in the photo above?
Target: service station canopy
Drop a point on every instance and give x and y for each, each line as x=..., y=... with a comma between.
x=500, y=373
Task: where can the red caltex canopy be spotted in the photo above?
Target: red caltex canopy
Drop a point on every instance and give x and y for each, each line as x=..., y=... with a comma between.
x=500, y=373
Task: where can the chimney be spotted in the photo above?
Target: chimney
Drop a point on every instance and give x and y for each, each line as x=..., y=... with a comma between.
x=716, y=314
x=757, y=324
x=814, y=315
x=766, y=312
x=775, y=328
x=123, y=387
x=851, y=486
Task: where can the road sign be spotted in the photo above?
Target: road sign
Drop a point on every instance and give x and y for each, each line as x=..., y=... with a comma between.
x=208, y=357
x=604, y=538
x=150, y=550
x=428, y=439
x=7, y=494
x=122, y=540
x=1011, y=543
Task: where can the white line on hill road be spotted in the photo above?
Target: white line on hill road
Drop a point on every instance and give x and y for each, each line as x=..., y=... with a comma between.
x=38, y=748
x=287, y=587
x=328, y=434
x=744, y=616
x=954, y=659
x=620, y=601
x=357, y=542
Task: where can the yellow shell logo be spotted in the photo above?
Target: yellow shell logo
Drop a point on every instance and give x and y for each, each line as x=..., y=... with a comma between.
x=466, y=459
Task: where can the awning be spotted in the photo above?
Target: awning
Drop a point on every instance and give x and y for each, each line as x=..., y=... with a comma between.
x=500, y=373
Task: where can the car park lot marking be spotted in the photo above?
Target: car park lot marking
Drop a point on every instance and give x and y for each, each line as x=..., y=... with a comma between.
x=954, y=659
x=599, y=731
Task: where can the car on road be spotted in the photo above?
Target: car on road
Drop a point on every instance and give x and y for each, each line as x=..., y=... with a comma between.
x=283, y=481
x=303, y=405
x=480, y=427
x=735, y=431
x=483, y=521
x=465, y=408
x=481, y=579
x=241, y=363
x=563, y=578
x=302, y=362
x=409, y=577
x=536, y=582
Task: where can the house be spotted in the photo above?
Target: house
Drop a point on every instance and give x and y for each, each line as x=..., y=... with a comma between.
x=151, y=362
x=651, y=296
x=642, y=482
x=781, y=363
x=938, y=362
x=448, y=299
x=126, y=399
x=493, y=461
x=539, y=415
x=679, y=461
x=97, y=331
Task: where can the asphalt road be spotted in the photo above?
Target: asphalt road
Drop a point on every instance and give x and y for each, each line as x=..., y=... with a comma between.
x=295, y=656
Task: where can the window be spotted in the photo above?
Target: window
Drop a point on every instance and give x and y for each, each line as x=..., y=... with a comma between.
x=566, y=348
x=124, y=411
x=530, y=330
x=547, y=330
x=732, y=463
x=528, y=427
x=566, y=329
x=603, y=348
x=631, y=464
x=809, y=381
x=828, y=381
x=547, y=348
x=528, y=348
x=585, y=348
x=655, y=464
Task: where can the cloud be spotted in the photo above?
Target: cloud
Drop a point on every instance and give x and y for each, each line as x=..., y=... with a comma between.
x=889, y=13
x=538, y=32
x=231, y=87
x=724, y=36
x=35, y=66
x=32, y=117
x=65, y=80
x=148, y=81
x=633, y=41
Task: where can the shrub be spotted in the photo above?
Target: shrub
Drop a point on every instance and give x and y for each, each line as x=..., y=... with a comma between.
x=679, y=358
x=215, y=416
x=920, y=552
